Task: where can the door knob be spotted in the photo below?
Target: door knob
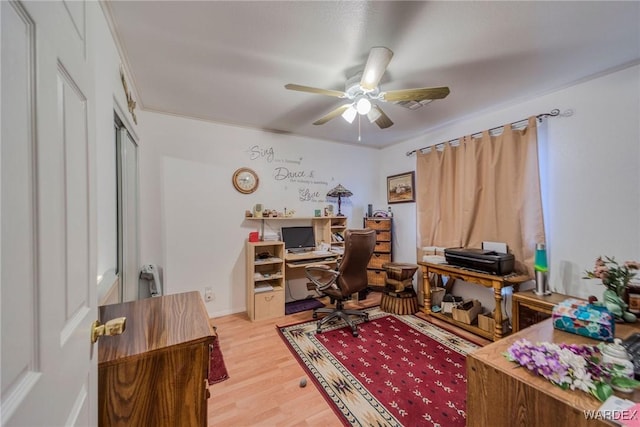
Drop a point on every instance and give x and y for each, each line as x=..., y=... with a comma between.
x=112, y=327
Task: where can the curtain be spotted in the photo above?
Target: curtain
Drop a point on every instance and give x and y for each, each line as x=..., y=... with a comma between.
x=484, y=189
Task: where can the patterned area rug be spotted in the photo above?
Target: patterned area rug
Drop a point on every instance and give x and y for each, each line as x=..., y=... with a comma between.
x=399, y=371
x=302, y=305
x=217, y=368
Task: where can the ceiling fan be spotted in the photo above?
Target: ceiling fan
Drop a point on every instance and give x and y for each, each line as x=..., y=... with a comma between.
x=362, y=89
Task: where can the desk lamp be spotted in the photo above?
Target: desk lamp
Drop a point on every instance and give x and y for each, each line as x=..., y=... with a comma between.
x=541, y=269
x=339, y=192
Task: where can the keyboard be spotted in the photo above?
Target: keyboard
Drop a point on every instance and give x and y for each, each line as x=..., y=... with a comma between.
x=632, y=344
x=310, y=261
x=322, y=253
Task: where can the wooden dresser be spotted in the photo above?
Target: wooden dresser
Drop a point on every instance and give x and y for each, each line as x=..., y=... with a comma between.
x=382, y=252
x=155, y=373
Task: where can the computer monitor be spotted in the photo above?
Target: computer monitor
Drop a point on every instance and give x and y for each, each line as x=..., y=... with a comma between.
x=298, y=239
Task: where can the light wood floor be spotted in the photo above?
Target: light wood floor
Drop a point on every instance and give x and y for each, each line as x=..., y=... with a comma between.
x=263, y=386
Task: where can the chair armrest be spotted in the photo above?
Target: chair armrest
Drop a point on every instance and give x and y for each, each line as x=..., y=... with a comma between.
x=321, y=275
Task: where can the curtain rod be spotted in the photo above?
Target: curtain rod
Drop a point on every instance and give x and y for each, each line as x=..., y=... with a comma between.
x=553, y=113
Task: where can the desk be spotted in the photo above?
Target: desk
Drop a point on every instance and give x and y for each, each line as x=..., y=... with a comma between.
x=499, y=393
x=268, y=269
x=297, y=262
x=484, y=279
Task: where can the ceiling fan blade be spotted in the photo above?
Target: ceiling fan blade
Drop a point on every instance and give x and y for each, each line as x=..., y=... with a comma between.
x=379, y=58
x=332, y=115
x=328, y=92
x=383, y=121
x=417, y=94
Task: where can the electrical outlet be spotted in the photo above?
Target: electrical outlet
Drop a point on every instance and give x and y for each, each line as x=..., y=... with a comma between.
x=208, y=294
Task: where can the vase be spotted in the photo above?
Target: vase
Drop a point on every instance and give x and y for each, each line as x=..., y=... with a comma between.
x=616, y=305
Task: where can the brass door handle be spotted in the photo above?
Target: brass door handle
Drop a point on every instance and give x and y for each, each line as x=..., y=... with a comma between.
x=112, y=327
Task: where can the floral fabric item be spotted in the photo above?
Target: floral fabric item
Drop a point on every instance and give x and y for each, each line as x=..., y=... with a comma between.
x=580, y=317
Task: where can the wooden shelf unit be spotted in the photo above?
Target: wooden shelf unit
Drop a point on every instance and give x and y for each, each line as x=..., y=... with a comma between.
x=265, y=271
x=475, y=277
x=337, y=226
x=323, y=227
x=383, y=251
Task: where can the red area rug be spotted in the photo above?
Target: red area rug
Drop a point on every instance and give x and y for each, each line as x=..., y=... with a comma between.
x=399, y=371
x=217, y=368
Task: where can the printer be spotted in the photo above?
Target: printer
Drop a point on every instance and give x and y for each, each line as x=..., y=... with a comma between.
x=487, y=261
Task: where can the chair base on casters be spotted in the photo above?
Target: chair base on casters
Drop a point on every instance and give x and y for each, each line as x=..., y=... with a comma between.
x=339, y=312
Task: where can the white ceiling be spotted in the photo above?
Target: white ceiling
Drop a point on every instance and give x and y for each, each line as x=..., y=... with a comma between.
x=228, y=62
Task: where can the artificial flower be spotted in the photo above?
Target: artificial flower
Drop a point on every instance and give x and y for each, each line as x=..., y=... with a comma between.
x=569, y=366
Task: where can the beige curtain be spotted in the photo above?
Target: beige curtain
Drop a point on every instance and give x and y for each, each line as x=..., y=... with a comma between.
x=484, y=189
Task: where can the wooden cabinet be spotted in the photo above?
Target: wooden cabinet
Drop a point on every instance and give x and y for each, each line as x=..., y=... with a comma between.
x=155, y=373
x=529, y=308
x=382, y=252
x=265, y=280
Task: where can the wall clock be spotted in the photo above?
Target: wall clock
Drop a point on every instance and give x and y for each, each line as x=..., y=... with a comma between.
x=245, y=180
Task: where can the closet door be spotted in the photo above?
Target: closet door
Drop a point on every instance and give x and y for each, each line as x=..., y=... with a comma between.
x=128, y=263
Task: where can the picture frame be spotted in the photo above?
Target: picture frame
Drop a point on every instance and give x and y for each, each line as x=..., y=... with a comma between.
x=401, y=188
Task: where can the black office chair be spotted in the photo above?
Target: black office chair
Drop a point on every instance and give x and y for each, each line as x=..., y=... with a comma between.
x=350, y=277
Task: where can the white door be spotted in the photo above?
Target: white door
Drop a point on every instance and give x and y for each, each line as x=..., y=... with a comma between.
x=48, y=277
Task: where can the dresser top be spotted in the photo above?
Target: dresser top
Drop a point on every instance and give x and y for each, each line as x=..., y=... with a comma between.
x=154, y=324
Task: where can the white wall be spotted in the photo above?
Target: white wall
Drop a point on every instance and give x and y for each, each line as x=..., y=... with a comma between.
x=592, y=168
x=192, y=219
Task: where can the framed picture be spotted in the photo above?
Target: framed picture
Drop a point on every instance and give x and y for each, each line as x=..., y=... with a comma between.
x=401, y=188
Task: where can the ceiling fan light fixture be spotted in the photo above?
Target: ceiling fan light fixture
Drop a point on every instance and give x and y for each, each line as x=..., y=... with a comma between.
x=350, y=114
x=363, y=105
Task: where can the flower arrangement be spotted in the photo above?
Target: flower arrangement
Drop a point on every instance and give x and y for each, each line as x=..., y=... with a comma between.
x=570, y=366
x=616, y=279
x=614, y=276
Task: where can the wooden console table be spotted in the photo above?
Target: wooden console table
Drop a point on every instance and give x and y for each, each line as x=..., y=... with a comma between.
x=484, y=279
x=502, y=394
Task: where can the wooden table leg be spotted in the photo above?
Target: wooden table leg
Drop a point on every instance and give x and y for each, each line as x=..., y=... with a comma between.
x=426, y=289
x=497, y=293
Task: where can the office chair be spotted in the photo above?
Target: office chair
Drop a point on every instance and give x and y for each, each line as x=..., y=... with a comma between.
x=350, y=277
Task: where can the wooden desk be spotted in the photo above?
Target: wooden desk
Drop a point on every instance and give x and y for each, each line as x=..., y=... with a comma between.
x=484, y=279
x=540, y=305
x=155, y=373
x=500, y=393
x=301, y=260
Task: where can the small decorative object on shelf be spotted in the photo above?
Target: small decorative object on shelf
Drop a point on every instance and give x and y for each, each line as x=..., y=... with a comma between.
x=581, y=367
x=542, y=270
x=616, y=279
